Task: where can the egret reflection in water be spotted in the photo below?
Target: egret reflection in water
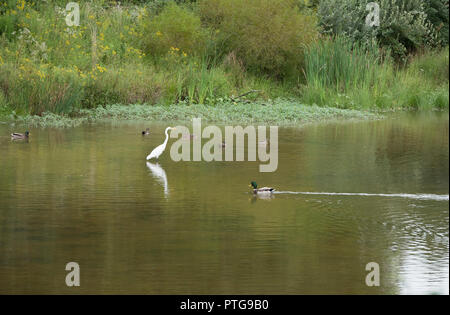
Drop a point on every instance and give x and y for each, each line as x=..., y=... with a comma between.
x=159, y=173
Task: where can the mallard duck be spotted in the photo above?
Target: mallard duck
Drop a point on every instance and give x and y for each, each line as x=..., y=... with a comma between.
x=262, y=190
x=20, y=136
x=146, y=132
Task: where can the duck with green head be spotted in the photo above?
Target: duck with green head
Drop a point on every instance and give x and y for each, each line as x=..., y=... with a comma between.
x=262, y=190
x=20, y=136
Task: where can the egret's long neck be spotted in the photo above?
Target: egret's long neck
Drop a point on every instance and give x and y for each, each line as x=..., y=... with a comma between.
x=167, y=136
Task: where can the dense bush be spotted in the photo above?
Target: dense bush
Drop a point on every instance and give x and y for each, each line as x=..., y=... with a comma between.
x=268, y=36
x=438, y=14
x=175, y=27
x=404, y=26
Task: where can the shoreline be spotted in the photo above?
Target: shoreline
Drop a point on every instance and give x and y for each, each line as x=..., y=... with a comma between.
x=280, y=112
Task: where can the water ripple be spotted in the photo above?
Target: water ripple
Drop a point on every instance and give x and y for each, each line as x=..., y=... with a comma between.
x=408, y=196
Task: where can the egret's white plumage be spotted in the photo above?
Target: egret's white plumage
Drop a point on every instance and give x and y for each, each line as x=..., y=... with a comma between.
x=159, y=173
x=159, y=149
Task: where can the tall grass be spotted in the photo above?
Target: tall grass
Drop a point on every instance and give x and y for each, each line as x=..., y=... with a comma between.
x=344, y=66
x=346, y=75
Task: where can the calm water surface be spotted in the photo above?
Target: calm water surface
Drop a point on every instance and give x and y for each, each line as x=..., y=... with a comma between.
x=87, y=195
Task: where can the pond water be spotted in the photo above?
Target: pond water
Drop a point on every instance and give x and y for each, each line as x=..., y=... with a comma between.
x=349, y=193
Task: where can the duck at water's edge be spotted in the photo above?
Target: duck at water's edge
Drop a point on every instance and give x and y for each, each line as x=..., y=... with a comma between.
x=262, y=190
x=20, y=136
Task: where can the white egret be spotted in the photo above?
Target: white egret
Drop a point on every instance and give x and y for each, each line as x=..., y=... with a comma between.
x=160, y=149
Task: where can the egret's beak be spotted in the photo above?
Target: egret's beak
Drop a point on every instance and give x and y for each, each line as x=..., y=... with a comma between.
x=249, y=185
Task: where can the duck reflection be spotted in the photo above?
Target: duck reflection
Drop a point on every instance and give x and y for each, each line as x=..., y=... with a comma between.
x=159, y=173
x=263, y=197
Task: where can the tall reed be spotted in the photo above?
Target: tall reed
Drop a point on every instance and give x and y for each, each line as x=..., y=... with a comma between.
x=338, y=67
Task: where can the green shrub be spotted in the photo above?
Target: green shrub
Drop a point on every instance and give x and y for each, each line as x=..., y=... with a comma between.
x=404, y=26
x=269, y=36
x=176, y=27
x=438, y=14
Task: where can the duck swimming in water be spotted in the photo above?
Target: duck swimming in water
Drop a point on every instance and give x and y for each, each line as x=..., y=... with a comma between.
x=20, y=136
x=262, y=190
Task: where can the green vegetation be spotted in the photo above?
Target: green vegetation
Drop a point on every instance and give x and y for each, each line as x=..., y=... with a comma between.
x=280, y=112
x=405, y=25
x=207, y=51
x=345, y=75
x=267, y=37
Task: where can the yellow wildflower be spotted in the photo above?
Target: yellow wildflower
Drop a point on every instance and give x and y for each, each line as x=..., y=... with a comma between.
x=100, y=68
x=20, y=5
x=40, y=74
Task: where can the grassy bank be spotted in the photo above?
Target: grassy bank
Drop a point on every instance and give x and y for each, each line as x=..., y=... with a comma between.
x=278, y=112
x=162, y=53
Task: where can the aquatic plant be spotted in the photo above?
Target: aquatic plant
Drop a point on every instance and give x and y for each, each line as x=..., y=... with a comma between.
x=279, y=112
